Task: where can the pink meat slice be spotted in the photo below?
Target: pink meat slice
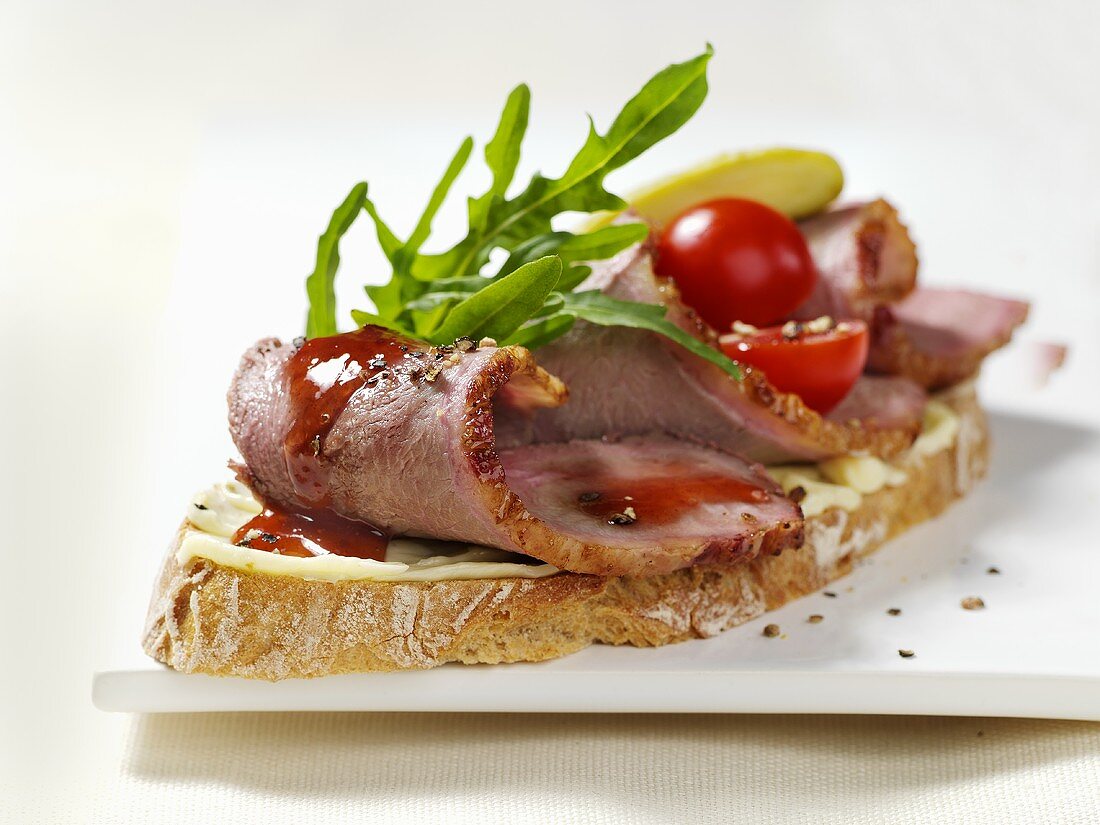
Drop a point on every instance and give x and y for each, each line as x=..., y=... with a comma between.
x=864, y=256
x=881, y=401
x=666, y=493
x=626, y=382
x=419, y=457
x=867, y=266
x=939, y=337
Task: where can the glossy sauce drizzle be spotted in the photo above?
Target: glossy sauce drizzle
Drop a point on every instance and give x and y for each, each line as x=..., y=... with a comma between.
x=655, y=501
x=308, y=533
x=322, y=377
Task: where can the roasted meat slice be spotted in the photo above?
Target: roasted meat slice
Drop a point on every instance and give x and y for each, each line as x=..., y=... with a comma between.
x=867, y=267
x=864, y=257
x=386, y=431
x=938, y=337
x=632, y=382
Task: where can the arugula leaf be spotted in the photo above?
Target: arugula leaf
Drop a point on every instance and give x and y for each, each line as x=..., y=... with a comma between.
x=386, y=239
x=662, y=106
x=591, y=246
x=362, y=318
x=498, y=310
x=432, y=300
x=502, y=154
x=602, y=243
x=532, y=249
x=424, y=226
x=390, y=298
x=573, y=277
x=530, y=298
x=387, y=297
x=502, y=151
x=597, y=308
x=543, y=331
x=320, y=288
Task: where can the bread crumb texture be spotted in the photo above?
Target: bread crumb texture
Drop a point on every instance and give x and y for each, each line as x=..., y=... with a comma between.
x=205, y=618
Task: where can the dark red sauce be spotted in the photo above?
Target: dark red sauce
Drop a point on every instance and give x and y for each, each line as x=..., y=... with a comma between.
x=312, y=533
x=664, y=499
x=322, y=377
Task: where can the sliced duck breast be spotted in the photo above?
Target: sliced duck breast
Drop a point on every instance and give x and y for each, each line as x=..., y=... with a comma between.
x=867, y=266
x=626, y=382
x=386, y=431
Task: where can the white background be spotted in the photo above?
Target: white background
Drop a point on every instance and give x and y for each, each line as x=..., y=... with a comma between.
x=130, y=136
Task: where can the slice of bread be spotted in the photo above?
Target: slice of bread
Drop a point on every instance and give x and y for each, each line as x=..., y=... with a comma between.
x=206, y=618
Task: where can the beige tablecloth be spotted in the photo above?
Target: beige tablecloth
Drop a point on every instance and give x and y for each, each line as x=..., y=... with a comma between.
x=271, y=769
x=298, y=768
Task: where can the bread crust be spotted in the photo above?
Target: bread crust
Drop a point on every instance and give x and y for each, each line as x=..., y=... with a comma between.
x=206, y=618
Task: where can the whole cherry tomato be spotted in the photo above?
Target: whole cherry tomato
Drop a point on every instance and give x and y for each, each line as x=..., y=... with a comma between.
x=737, y=260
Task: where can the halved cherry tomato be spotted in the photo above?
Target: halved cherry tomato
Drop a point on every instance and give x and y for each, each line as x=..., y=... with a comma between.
x=737, y=260
x=820, y=367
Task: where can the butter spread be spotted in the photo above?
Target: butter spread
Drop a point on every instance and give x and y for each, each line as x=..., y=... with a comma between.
x=863, y=473
x=218, y=512
x=820, y=495
x=843, y=481
x=940, y=429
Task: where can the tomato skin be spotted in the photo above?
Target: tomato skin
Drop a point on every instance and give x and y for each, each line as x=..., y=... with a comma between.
x=820, y=367
x=737, y=260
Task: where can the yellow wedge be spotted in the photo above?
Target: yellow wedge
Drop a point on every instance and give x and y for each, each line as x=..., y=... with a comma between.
x=796, y=182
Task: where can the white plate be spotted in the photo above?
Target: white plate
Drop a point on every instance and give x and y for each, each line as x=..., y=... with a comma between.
x=1033, y=651
x=259, y=196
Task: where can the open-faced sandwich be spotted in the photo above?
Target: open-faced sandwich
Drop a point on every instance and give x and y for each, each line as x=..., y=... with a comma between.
x=714, y=399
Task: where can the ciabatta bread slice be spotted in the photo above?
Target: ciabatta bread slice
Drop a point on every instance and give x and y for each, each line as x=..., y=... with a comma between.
x=207, y=618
